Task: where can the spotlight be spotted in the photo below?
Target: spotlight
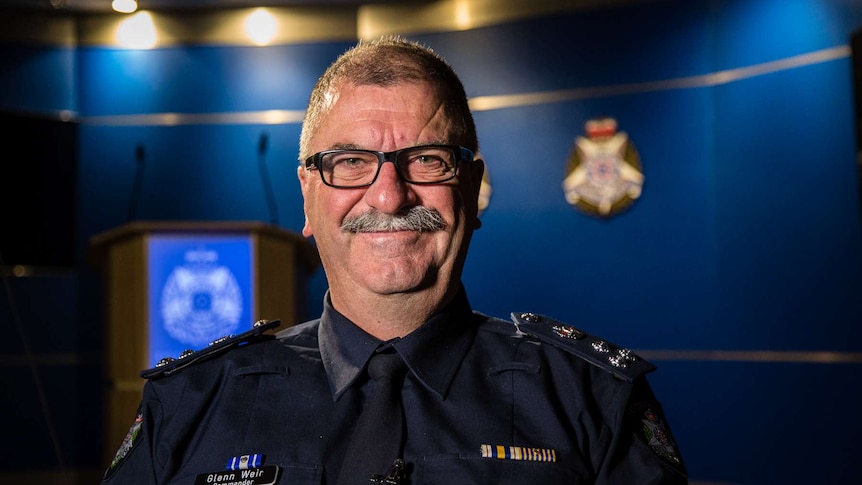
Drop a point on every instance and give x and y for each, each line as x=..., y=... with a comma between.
x=124, y=6
x=261, y=26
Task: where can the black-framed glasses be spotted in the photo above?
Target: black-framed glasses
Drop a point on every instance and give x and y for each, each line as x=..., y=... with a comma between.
x=422, y=165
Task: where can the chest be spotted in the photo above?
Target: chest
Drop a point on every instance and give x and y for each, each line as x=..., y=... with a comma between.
x=500, y=422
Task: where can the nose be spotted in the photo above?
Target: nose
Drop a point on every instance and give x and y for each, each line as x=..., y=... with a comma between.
x=389, y=193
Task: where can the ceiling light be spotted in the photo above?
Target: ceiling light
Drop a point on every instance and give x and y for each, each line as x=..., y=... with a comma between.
x=137, y=32
x=124, y=6
x=261, y=26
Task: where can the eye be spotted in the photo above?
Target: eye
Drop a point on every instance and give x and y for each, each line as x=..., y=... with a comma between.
x=349, y=160
x=428, y=159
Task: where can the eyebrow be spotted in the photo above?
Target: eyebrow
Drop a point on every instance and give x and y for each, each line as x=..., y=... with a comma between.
x=345, y=146
x=353, y=146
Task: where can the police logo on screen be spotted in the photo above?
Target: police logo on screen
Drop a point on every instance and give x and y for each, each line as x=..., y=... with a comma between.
x=603, y=176
x=201, y=300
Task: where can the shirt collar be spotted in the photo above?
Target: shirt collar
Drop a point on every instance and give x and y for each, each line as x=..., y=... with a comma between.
x=432, y=352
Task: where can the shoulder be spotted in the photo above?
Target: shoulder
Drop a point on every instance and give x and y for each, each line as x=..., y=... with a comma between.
x=300, y=333
x=169, y=365
x=616, y=360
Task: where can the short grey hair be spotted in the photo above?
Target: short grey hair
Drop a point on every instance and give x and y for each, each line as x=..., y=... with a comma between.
x=389, y=61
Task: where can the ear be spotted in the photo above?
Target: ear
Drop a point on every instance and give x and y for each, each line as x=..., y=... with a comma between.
x=477, y=171
x=306, y=228
x=302, y=175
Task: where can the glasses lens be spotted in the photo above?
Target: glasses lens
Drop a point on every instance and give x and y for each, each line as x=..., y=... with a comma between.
x=357, y=168
x=427, y=164
x=347, y=168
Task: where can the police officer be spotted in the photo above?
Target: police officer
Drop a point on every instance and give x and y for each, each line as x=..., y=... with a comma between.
x=477, y=400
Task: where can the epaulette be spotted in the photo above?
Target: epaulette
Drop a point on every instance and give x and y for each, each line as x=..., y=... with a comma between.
x=170, y=365
x=620, y=362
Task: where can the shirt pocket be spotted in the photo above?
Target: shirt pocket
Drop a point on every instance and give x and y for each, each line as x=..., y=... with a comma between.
x=454, y=469
x=298, y=473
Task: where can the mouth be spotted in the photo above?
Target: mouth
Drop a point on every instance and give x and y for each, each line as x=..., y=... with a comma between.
x=391, y=242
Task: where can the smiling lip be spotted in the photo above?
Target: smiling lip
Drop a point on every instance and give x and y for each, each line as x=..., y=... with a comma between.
x=392, y=231
x=399, y=235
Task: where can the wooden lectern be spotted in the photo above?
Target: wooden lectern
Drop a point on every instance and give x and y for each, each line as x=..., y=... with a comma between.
x=279, y=263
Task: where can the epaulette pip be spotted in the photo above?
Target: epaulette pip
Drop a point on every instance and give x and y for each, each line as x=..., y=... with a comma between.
x=620, y=362
x=170, y=365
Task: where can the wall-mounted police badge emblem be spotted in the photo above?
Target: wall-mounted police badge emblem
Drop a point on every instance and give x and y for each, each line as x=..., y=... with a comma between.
x=201, y=300
x=604, y=174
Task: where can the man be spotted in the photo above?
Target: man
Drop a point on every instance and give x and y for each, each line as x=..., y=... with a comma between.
x=477, y=399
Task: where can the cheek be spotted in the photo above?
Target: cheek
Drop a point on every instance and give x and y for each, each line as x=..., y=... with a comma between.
x=326, y=208
x=451, y=207
x=458, y=205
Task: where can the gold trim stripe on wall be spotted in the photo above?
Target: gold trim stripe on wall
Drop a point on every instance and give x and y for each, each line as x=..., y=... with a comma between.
x=772, y=356
x=268, y=117
x=488, y=103
x=484, y=103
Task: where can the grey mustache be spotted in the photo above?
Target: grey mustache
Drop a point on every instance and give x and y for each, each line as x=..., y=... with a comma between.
x=418, y=218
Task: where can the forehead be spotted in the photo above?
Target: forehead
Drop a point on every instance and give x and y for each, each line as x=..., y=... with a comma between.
x=368, y=115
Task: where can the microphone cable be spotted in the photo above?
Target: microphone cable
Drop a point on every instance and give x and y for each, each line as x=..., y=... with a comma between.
x=262, y=146
x=140, y=155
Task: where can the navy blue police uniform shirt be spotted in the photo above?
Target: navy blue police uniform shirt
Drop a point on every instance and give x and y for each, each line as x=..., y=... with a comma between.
x=486, y=401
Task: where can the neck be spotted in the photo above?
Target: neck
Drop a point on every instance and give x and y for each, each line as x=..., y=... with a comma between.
x=393, y=315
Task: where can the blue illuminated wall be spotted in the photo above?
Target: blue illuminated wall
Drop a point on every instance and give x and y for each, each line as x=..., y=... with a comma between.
x=740, y=261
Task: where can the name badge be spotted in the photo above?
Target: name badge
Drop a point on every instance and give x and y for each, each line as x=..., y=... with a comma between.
x=266, y=475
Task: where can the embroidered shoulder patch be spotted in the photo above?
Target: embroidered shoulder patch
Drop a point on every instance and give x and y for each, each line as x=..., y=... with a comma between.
x=651, y=428
x=128, y=442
